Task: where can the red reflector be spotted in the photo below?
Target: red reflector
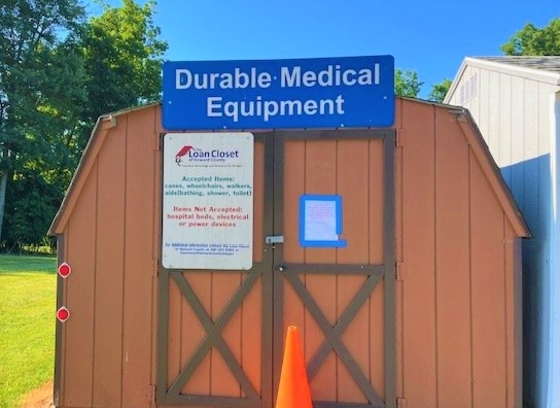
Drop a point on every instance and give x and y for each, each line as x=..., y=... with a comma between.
x=64, y=270
x=62, y=314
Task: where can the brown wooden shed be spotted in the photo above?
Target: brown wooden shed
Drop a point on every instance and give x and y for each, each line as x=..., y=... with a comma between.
x=422, y=309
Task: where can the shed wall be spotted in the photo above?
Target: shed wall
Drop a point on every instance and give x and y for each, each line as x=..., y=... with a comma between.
x=516, y=115
x=455, y=302
x=455, y=319
x=109, y=244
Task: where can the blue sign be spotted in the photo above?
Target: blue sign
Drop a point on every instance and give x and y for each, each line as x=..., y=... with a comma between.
x=303, y=93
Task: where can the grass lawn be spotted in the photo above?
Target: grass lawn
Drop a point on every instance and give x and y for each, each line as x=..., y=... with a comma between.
x=27, y=323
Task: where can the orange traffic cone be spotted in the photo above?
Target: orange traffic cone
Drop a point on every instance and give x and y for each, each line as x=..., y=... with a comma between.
x=293, y=391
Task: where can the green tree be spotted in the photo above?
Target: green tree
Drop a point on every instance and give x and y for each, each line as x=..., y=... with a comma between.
x=32, y=202
x=439, y=91
x=407, y=84
x=58, y=73
x=531, y=40
x=123, y=59
x=40, y=83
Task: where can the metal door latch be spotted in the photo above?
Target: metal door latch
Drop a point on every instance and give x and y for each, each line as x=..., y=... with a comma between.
x=274, y=239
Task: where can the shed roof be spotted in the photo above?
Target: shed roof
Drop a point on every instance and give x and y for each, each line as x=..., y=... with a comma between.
x=544, y=69
x=106, y=122
x=541, y=63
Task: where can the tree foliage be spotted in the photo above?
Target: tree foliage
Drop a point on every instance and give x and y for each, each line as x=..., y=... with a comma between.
x=58, y=73
x=438, y=92
x=31, y=202
x=123, y=58
x=407, y=83
x=531, y=40
x=40, y=82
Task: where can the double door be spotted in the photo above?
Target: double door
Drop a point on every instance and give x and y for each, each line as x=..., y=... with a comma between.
x=221, y=333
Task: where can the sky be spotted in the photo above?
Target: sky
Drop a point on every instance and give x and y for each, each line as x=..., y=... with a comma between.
x=431, y=37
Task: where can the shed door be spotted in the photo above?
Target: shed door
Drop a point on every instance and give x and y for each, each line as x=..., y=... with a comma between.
x=221, y=333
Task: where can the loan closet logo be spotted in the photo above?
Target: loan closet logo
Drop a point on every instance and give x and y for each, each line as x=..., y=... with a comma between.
x=190, y=154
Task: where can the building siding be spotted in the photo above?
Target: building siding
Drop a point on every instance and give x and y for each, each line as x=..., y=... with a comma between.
x=457, y=302
x=108, y=242
x=78, y=331
x=455, y=306
x=140, y=260
x=514, y=114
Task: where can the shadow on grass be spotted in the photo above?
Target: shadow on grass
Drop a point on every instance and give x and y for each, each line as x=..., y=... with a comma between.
x=28, y=264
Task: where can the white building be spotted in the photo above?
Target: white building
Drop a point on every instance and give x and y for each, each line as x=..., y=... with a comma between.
x=516, y=104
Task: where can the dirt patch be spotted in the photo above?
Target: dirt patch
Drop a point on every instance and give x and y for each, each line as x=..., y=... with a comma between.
x=41, y=397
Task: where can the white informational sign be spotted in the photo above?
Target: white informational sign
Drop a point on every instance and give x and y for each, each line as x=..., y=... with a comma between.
x=320, y=221
x=208, y=201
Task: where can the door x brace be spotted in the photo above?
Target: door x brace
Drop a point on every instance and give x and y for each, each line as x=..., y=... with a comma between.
x=214, y=338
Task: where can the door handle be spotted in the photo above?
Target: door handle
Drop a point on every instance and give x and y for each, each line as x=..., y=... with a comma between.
x=280, y=268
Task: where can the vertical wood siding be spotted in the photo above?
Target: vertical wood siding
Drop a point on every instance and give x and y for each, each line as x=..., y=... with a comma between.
x=512, y=361
x=505, y=111
x=452, y=264
x=399, y=287
x=481, y=101
x=457, y=293
x=488, y=294
x=420, y=377
x=493, y=94
x=109, y=243
x=78, y=331
x=108, y=286
x=139, y=261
